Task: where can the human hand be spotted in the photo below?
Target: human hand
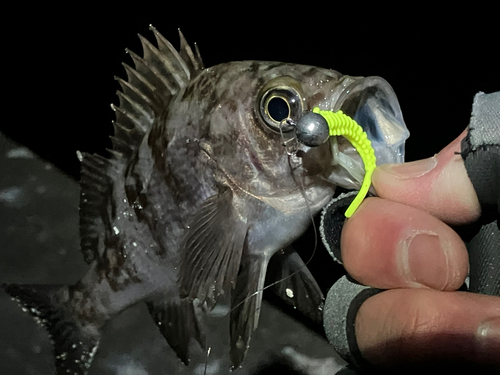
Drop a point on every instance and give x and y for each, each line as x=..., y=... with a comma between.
x=400, y=241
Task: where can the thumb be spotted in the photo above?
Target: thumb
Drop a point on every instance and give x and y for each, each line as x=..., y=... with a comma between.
x=439, y=185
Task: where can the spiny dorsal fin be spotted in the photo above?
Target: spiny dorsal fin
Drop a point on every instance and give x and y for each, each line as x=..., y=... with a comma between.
x=198, y=56
x=97, y=174
x=151, y=84
x=194, y=62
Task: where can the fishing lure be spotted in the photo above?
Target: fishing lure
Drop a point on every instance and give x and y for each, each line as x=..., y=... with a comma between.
x=314, y=128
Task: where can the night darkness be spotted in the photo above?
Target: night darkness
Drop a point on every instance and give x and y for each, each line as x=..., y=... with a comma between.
x=61, y=64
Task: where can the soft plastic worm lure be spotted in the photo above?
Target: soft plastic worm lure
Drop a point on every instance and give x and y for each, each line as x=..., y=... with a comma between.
x=311, y=131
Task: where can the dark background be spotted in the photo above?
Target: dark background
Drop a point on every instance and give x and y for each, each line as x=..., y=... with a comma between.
x=59, y=62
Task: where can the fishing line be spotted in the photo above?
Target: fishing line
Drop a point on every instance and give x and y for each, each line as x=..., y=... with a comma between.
x=291, y=148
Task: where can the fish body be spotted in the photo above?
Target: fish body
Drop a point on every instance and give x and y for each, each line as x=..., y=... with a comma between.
x=199, y=193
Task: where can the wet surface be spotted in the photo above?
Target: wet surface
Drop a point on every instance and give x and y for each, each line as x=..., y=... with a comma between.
x=40, y=244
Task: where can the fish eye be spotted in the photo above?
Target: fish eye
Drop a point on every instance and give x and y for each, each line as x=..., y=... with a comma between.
x=279, y=101
x=278, y=108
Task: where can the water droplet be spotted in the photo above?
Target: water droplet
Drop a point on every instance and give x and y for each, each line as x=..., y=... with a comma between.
x=41, y=189
x=10, y=194
x=289, y=293
x=79, y=156
x=116, y=230
x=240, y=343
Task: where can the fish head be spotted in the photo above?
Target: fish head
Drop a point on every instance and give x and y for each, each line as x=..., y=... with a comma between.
x=241, y=111
x=244, y=135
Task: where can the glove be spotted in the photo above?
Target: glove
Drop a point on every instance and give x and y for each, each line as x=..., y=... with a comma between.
x=481, y=155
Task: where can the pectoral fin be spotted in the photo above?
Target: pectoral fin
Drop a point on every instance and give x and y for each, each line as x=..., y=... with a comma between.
x=211, y=249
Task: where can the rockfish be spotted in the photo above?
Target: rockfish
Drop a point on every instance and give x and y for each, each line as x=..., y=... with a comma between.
x=204, y=184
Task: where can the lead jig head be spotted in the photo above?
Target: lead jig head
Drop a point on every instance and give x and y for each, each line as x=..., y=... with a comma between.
x=312, y=129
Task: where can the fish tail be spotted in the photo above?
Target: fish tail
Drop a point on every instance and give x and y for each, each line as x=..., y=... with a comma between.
x=75, y=342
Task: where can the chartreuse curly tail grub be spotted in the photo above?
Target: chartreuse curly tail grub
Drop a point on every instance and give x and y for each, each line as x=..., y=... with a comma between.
x=341, y=124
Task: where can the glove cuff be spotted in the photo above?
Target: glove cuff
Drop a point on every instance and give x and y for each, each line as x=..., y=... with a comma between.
x=339, y=315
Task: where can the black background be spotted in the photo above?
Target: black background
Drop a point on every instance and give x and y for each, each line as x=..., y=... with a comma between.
x=59, y=61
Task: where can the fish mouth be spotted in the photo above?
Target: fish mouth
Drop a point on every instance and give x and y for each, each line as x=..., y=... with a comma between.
x=373, y=104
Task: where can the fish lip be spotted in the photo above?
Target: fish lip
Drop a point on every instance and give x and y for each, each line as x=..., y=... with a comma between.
x=372, y=103
x=389, y=118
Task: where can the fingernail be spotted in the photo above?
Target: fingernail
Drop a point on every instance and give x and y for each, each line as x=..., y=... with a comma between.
x=488, y=334
x=412, y=169
x=423, y=260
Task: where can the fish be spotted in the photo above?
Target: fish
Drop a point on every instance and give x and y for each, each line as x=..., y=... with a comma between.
x=206, y=186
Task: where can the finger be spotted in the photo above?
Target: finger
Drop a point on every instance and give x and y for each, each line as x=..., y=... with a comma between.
x=404, y=326
x=439, y=185
x=399, y=246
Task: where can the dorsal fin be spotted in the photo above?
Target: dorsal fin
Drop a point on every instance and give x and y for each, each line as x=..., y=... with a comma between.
x=96, y=176
x=194, y=63
x=151, y=84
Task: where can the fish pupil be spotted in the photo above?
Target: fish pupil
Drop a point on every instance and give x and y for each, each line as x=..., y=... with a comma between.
x=278, y=109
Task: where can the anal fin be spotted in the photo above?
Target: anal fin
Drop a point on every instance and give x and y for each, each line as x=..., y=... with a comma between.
x=246, y=303
x=178, y=323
